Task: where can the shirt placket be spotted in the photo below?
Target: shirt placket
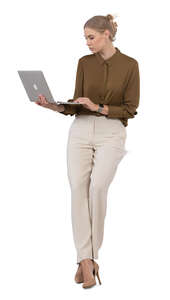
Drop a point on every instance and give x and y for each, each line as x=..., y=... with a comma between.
x=105, y=78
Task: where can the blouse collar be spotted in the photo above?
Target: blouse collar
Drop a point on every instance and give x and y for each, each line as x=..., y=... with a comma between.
x=109, y=60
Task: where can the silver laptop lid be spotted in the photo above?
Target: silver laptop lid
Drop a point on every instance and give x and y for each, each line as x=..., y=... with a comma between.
x=35, y=84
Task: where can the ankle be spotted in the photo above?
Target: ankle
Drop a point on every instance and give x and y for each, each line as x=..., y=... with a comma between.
x=86, y=260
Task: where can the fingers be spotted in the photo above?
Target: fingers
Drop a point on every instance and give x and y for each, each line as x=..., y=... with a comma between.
x=42, y=100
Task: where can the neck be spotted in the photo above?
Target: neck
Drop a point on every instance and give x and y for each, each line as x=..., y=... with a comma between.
x=107, y=51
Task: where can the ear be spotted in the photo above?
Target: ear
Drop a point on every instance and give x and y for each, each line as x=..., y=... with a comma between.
x=107, y=33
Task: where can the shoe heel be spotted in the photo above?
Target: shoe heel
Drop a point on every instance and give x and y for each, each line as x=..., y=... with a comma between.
x=98, y=277
x=96, y=271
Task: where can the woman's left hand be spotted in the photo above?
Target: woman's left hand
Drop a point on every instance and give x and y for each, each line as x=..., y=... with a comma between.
x=87, y=103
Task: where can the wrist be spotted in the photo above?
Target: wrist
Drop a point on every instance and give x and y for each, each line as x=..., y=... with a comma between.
x=100, y=108
x=96, y=106
x=103, y=110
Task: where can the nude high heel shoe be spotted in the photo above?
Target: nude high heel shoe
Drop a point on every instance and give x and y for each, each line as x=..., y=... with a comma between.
x=92, y=282
x=79, y=275
x=96, y=272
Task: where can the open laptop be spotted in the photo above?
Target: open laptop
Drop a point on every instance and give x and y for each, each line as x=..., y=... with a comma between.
x=35, y=84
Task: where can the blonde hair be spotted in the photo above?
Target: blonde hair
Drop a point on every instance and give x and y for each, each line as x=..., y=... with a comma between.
x=101, y=23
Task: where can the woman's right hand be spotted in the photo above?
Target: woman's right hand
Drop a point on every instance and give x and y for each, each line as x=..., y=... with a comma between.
x=43, y=102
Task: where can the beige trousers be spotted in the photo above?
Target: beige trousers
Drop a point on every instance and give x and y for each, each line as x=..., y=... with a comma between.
x=95, y=147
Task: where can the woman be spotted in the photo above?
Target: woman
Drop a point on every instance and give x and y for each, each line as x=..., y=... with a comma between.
x=107, y=89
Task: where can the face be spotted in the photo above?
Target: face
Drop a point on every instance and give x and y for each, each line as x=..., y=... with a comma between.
x=95, y=40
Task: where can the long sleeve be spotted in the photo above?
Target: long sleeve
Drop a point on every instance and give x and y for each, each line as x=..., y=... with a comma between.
x=130, y=99
x=78, y=92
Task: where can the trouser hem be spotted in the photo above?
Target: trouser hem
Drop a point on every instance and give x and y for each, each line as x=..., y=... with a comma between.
x=79, y=258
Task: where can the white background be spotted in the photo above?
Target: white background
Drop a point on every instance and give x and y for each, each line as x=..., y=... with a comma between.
x=37, y=254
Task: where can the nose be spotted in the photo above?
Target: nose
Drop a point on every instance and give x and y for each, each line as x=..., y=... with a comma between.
x=89, y=45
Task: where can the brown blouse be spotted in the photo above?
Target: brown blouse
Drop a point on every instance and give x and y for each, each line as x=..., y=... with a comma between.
x=114, y=81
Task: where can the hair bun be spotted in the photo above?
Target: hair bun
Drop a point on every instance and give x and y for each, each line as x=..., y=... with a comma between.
x=110, y=17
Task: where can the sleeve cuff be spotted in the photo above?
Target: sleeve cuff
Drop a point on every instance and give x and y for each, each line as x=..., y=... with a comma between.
x=69, y=109
x=121, y=111
x=115, y=111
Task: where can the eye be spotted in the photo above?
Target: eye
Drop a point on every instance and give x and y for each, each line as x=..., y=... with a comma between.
x=91, y=38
